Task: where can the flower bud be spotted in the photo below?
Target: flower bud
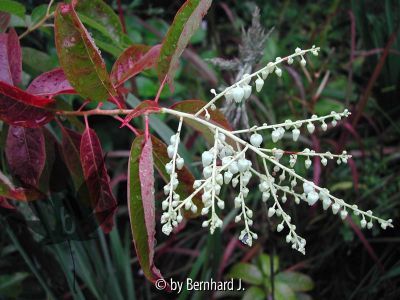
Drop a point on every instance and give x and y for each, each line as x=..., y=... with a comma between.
x=180, y=163
x=256, y=139
x=259, y=84
x=206, y=158
x=310, y=127
x=238, y=94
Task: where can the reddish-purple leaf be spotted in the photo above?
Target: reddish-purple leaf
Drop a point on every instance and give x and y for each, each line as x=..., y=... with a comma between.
x=10, y=58
x=79, y=56
x=142, y=108
x=5, y=204
x=14, y=56
x=141, y=205
x=71, y=144
x=185, y=24
x=97, y=180
x=132, y=61
x=4, y=20
x=22, y=109
x=7, y=190
x=5, y=72
x=50, y=84
x=26, y=154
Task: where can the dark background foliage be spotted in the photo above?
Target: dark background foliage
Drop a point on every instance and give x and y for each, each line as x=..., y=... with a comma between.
x=344, y=262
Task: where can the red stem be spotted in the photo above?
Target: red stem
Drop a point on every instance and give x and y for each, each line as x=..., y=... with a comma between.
x=160, y=89
x=86, y=121
x=121, y=16
x=133, y=129
x=147, y=130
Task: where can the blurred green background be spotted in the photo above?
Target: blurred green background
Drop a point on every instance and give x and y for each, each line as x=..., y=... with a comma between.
x=358, y=39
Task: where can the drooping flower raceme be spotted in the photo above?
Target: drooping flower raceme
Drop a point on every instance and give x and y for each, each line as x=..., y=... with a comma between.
x=227, y=163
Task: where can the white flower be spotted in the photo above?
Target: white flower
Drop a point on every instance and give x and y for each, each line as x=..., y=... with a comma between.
x=247, y=91
x=335, y=208
x=259, y=84
x=207, y=158
x=312, y=198
x=229, y=96
x=168, y=168
x=296, y=134
x=275, y=136
x=171, y=151
x=256, y=139
x=238, y=94
x=278, y=72
x=310, y=127
x=308, y=187
x=271, y=212
x=180, y=163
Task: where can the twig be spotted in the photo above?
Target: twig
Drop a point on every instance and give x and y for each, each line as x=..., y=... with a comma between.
x=47, y=16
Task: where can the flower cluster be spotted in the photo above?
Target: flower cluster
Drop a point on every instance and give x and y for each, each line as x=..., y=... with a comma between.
x=173, y=215
x=226, y=163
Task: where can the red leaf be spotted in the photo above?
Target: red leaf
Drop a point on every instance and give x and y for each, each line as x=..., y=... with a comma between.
x=97, y=179
x=141, y=205
x=22, y=109
x=70, y=145
x=50, y=84
x=132, y=61
x=10, y=58
x=26, y=154
x=4, y=204
x=4, y=20
x=185, y=23
x=142, y=108
x=7, y=190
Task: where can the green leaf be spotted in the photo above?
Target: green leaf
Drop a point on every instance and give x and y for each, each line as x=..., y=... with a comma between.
x=39, y=12
x=193, y=106
x=283, y=292
x=98, y=15
x=36, y=61
x=302, y=296
x=11, y=285
x=185, y=24
x=5, y=185
x=79, y=57
x=254, y=293
x=185, y=177
x=325, y=106
x=13, y=7
x=247, y=272
x=296, y=281
x=265, y=263
x=141, y=204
